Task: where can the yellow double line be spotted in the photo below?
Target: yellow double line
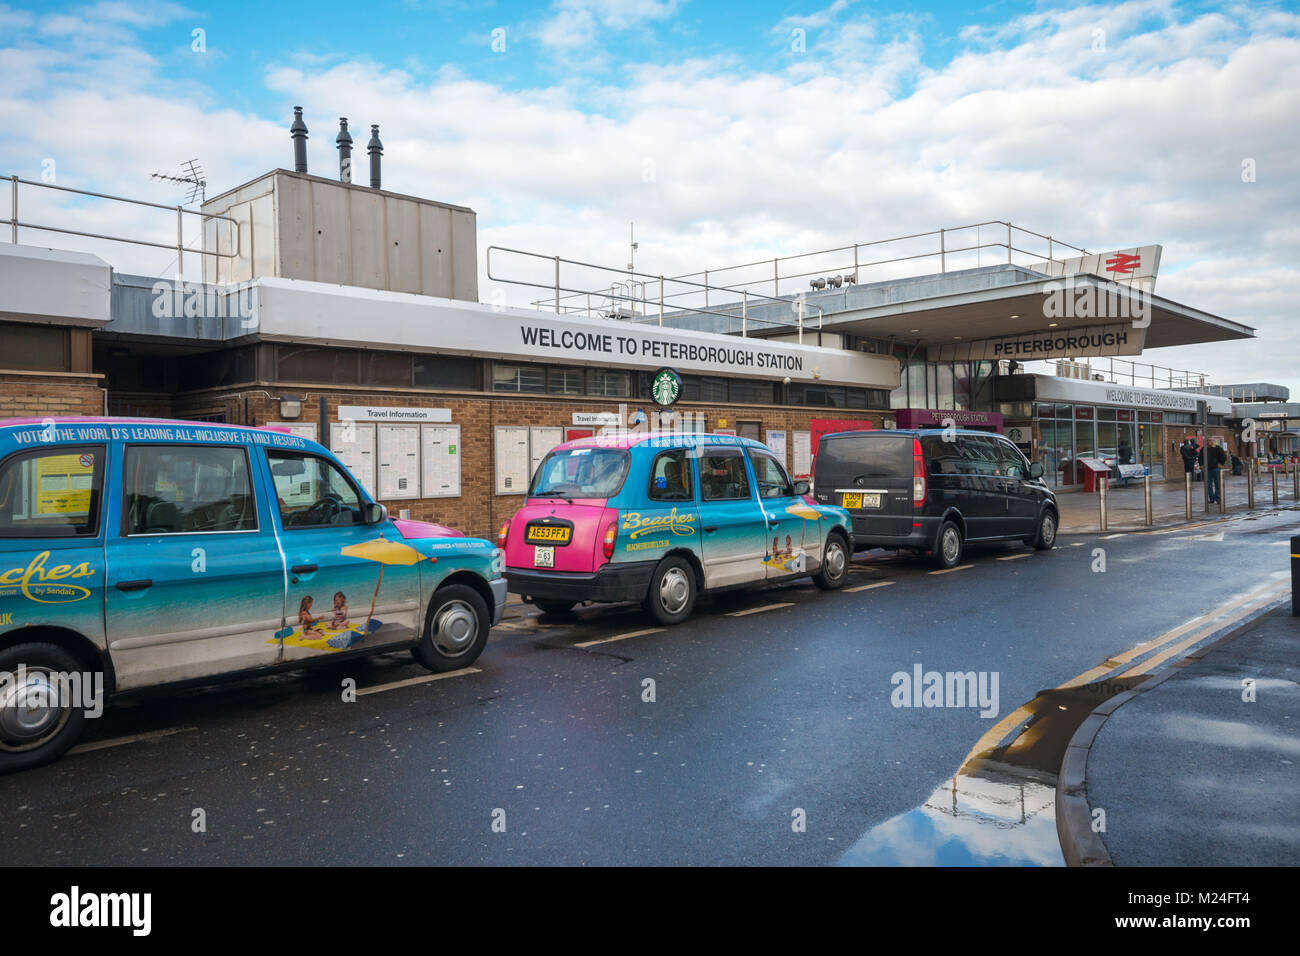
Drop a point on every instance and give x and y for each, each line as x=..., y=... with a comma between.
x=1197, y=630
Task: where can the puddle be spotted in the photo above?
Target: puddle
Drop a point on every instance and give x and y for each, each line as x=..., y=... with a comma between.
x=999, y=809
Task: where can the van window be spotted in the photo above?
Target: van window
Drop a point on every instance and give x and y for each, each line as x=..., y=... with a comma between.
x=1010, y=461
x=670, y=477
x=54, y=492
x=982, y=453
x=580, y=473
x=771, y=477
x=722, y=475
x=312, y=491
x=186, y=489
x=869, y=456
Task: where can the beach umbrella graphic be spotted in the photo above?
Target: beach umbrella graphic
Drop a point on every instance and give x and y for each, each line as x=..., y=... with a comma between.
x=385, y=552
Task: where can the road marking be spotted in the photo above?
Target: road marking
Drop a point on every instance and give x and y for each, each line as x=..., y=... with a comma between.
x=1015, y=557
x=1077, y=544
x=411, y=681
x=130, y=739
x=620, y=637
x=1108, y=537
x=868, y=587
x=760, y=610
x=960, y=567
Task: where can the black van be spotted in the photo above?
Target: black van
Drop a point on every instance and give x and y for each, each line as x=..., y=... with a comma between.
x=933, y=490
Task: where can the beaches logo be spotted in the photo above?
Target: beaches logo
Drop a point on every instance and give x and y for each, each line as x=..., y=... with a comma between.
x=680, y=524
x=47, y=585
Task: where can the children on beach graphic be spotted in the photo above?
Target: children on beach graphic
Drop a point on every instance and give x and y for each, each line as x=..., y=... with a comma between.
x=340, y=610
x=305, y=619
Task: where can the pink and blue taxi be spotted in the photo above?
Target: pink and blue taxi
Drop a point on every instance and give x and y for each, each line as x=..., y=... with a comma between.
x=661, y=517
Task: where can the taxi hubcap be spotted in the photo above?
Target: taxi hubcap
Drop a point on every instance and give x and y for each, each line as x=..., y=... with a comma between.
x=674, y=590
x=1049, y=530
x=835, y=560
x=29, y=711
x=456, y=628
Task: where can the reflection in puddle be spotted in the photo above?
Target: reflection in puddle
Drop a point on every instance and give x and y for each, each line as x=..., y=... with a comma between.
x=1000, y=807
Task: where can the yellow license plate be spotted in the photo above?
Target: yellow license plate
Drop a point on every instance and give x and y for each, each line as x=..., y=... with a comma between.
x=549, y=534
x=861, y=499
x=852, y=501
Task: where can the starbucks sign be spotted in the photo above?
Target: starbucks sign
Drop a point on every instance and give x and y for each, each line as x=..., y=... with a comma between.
x=665, y=387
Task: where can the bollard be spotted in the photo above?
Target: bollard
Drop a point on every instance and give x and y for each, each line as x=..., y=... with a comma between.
x=1223, y=490
x=1295, y=575
x=1273, y=474
x=1295, y=479
x=1187, y=482
x=1146, y=493
x=1102, y=482
x=1250, y=484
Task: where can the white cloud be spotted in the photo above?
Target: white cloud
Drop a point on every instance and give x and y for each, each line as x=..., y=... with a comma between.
x=719, y=162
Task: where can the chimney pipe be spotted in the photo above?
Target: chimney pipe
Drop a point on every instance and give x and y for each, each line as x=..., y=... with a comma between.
x=299, y=133
x=376, y=150
x=344, y=142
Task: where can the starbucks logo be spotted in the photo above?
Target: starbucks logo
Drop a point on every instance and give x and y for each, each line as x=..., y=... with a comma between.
x=665, y=386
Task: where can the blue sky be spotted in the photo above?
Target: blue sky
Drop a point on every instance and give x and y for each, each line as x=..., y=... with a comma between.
x=1108, y=124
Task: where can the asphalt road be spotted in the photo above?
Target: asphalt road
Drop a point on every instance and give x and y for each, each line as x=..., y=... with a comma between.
x=763, y=716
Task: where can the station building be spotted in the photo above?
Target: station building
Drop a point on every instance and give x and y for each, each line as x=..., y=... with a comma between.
x=353, y=315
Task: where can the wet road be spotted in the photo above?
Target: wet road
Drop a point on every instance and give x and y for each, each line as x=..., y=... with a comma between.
x=771, y=737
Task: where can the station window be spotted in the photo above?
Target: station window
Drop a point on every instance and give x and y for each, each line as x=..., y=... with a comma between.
x=309, y=363
x=611, y=384
x=36, y=347
x=564, y=381
x=436, y=371
x=386, y=368
x=704, y=388
x=518, y=378
x=746, y=392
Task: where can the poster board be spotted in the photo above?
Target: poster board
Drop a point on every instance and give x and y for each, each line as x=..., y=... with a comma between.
x=775, y=440
x=398, y=461
x=354, y=445
x=540, y=441
x=301, y=429
x=802, y=442
x=511, y=455
x=440, y=461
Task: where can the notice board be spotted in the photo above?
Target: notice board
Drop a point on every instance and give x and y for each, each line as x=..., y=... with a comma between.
x=540, y=441
x=802, y=453
x=512, y=472
x=354, y=444
x=440, y=461
x=399, y=461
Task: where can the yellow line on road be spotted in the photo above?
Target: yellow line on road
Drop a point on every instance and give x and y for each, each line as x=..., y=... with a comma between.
x=760, y=610
x=868, y=587
x=1015, y=557
x=130, y=739
x=960, y=567
x=411, y=681
x=620, y=637
x=1108, y=537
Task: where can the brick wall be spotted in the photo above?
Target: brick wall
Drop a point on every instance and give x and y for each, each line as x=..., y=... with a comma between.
x=478, y=510
x=33, y=394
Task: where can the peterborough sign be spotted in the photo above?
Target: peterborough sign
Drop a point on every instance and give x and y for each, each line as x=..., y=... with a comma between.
x=1053, y=343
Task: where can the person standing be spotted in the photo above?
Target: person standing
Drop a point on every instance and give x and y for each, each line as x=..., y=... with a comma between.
x=1188, y=451
x=1215, y=460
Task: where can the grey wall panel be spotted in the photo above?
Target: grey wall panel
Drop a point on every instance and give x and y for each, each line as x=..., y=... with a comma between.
x=402, y=244
x=369, y=263
x=332, y=238
x=465, y=257
x=435, y=235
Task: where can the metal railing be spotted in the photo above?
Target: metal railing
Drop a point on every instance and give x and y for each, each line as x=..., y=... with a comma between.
x=1156, y=376
x=643, y=297
x=181, y=212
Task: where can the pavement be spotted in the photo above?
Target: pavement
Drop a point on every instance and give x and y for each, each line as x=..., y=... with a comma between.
x=1126, y=507
x=1199, y=765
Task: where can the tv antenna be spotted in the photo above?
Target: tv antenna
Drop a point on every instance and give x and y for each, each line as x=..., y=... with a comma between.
x=191, y=175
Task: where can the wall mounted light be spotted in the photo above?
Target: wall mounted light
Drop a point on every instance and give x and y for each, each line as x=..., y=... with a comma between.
x=290, y=406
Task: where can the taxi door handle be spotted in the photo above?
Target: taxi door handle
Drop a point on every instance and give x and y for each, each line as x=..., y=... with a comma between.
x=135, y=585
x=303, y=568
x=710, y=528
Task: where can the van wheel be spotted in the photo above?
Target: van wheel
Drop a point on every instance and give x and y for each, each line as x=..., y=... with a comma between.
x=1045, y=537
x=948, y=549
x=455, y=629
x=554, y=607
x=835, y=564
x=671, y=597
x=34, y=729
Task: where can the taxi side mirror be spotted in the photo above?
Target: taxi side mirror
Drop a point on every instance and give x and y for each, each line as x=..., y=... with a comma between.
x=1036, y=469
x=801, y=488
x=375, y=512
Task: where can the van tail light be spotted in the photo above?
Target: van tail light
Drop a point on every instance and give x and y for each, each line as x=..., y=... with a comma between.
x=611, y=537
x=503, y=534
x=918, y=475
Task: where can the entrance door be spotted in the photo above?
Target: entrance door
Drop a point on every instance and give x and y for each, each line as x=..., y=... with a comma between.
x=732, y=524
x=195, y=580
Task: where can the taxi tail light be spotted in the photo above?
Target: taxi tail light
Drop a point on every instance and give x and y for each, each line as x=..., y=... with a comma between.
x=611, y=537
x=918, y=475
x=503, y=534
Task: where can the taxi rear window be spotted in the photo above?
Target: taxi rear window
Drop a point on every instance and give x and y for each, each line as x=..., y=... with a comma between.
x=53, y=492
x=580, y=473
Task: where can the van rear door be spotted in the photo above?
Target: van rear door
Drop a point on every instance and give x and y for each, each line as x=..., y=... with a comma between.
x=870, y=475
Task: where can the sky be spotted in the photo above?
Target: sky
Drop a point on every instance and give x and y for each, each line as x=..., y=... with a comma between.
x=727, y=131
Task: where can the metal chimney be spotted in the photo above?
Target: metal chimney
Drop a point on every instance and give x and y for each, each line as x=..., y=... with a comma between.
x=299, y=133
x=376, y=150
x=344, y=143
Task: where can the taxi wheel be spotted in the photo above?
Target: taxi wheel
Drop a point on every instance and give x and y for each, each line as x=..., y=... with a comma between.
x=671, y=597
x=835, y=564
x=33, y=729
x=1045, y=538
x=950, y=546
x=455, y=629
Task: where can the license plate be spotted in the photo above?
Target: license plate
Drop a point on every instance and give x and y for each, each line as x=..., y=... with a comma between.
x=548, y=534
x=859, y=499
x=543, y=557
